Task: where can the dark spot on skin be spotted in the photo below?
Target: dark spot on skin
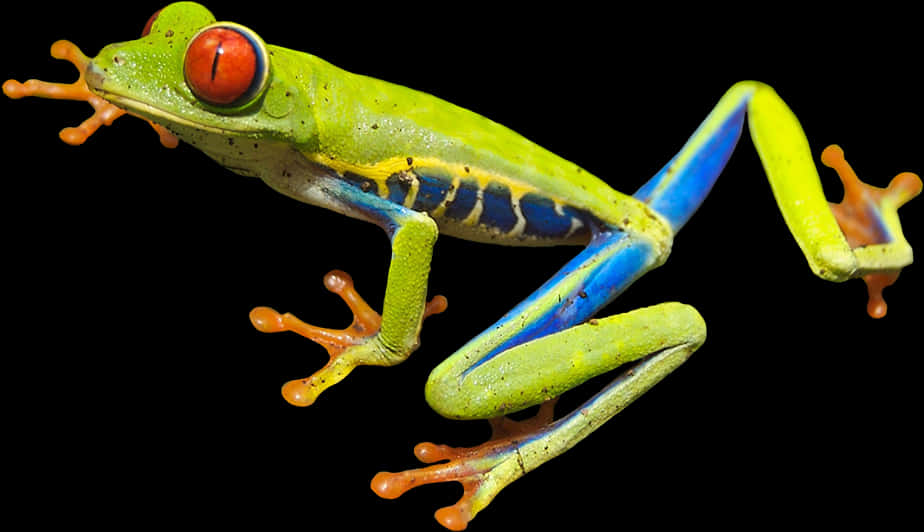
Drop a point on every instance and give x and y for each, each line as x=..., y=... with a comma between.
x=365, y=186
x=168, y=34
x=594, y=321
x=582, y=294
x=625, y=221
x=467, y=169
x=410, y=161
x=288, y=94
x=231, y=142
x=375, y=126
x=256, y=146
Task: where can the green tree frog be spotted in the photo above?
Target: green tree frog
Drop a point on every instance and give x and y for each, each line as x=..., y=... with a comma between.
x=417, y=166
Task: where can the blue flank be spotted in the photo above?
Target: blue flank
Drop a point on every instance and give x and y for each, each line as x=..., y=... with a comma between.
x=398, y=187
x=541, y=218
x=430, y=193
x=498, y=209
x=464, y=201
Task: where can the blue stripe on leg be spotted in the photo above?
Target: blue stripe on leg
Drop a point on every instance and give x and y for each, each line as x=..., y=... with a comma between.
x=676, y=192
x=588, y=282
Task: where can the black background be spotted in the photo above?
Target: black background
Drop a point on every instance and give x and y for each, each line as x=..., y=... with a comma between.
x=138, y=393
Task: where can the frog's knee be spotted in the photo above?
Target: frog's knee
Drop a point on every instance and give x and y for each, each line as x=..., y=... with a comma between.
x=446, y=396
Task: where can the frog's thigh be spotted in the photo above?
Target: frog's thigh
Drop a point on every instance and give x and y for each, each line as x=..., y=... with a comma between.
x=536, y=371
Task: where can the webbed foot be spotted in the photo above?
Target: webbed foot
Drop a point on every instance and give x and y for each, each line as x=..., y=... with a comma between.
x=348, y=348
x=868, y=215
x=482, y=470
x=105, y=113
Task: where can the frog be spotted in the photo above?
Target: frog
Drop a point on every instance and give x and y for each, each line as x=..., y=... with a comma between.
x=417, y=167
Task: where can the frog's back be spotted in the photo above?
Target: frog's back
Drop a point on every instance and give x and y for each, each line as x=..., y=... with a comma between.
x=478, y=179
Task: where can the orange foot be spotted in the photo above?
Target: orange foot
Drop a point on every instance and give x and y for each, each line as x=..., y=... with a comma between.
x=482, y=470
x=861, y=216
x=366, y=323
x=105, y=112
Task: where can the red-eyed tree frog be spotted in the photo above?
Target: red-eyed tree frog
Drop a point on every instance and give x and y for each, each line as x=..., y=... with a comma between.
x=417, y=166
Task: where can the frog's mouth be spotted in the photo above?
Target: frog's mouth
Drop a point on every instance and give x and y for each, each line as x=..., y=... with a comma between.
x=96, y=82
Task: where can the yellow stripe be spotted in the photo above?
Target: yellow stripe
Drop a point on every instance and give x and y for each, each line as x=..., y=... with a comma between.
x=380, y=171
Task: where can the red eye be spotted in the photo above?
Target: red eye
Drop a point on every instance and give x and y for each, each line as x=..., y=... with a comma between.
x=147, y=27
x=225, y=66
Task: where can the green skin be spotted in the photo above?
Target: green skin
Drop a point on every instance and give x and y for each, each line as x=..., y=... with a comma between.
x=313, y=123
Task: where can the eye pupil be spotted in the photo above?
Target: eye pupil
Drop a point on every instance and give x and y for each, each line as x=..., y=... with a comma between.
x=223, y=66
x=218, y=52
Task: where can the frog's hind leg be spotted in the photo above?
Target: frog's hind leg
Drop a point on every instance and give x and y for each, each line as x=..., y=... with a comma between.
x=652, y=341
x=860, y=237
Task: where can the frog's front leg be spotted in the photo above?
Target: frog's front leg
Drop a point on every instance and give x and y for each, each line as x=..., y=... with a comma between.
x=372, y=339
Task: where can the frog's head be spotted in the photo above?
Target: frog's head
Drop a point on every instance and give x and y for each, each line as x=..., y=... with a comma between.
x=211, y=83
x=206, y=81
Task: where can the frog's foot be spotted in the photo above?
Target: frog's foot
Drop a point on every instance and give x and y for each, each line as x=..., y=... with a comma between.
x=868, y=216
x=105, y=112
x=343, y=345
x=483, y=470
